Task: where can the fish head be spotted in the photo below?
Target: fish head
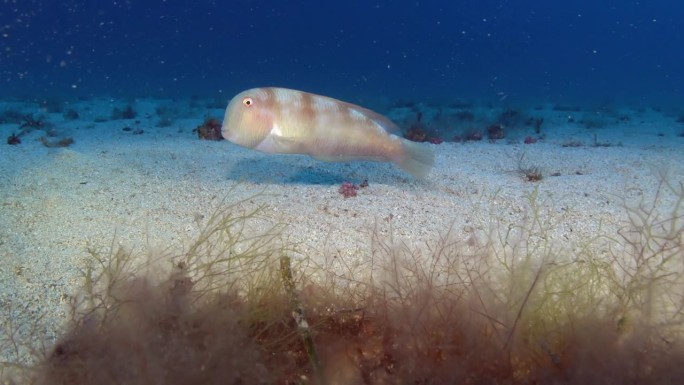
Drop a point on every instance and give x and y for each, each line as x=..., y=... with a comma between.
x=249, y=117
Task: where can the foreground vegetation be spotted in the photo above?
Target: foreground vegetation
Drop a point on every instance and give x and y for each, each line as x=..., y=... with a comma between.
x=242, y=306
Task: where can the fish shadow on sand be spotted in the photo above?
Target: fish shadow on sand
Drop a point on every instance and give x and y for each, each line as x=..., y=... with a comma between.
x=304, y=170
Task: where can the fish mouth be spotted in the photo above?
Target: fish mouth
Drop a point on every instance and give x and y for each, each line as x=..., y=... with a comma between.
x=233, y=136
x=226, y=133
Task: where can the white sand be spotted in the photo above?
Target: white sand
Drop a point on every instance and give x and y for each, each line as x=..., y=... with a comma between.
x=149, y=189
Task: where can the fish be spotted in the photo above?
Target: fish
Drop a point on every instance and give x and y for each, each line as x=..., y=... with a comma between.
x=286, y=121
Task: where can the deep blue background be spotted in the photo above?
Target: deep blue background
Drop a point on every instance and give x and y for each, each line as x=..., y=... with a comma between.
x=596, y=51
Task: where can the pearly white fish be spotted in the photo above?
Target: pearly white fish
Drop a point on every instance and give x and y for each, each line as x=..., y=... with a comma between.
x=284, y=121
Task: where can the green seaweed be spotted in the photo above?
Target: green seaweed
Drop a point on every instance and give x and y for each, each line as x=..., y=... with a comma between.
x=508, y=304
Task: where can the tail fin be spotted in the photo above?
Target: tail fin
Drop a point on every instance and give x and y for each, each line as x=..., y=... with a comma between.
x=417, y=159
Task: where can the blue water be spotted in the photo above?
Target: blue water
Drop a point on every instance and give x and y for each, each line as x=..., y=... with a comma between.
x=525, y=50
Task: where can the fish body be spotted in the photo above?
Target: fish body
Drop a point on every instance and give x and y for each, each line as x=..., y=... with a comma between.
x=285, y=121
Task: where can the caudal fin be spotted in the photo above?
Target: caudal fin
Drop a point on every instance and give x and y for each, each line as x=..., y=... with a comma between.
x=417, y=159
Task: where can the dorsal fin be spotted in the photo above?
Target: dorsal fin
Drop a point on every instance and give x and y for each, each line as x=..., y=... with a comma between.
x=388, y=125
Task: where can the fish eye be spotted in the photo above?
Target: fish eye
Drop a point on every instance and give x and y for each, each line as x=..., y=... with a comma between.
x=247, y=102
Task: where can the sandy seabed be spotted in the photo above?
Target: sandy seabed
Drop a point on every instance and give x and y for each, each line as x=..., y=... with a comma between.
x=151, y=191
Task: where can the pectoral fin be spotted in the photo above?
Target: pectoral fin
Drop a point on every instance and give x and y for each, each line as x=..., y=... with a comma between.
x=276, y=145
